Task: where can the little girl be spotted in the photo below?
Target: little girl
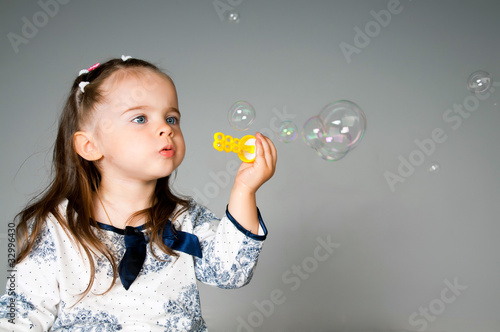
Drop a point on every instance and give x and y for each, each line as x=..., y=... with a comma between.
x=108, y=246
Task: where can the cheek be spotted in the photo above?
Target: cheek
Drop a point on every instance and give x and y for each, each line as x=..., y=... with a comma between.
x=181, y=144
x=120, y=142
x=179, y=137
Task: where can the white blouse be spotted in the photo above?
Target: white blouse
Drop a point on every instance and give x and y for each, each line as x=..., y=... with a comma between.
x=164, y=297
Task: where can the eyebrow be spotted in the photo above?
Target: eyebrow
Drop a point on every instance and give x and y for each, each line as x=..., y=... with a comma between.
x=144, y=107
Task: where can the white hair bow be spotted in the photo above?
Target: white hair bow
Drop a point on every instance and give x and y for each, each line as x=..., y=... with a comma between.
x=82, y=85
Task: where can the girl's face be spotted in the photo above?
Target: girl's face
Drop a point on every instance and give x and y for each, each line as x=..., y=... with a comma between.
x=137, y=126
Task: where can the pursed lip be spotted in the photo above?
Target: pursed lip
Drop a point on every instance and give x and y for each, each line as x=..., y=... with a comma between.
x=167, y=151
x=167, y=147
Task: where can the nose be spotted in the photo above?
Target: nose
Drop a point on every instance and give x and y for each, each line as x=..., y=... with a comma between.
x=165, y=130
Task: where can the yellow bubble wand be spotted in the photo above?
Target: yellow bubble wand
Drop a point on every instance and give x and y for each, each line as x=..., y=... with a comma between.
x=244, y=147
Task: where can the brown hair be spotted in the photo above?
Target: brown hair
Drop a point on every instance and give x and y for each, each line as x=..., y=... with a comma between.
x=75, y=178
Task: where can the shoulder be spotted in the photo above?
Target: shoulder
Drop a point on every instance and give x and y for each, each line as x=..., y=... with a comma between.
x=49, y=224
x=55, y=219
x=200, y=211
x=197, y=214
x=45, y=242
x=55, y=228
x=60, y=211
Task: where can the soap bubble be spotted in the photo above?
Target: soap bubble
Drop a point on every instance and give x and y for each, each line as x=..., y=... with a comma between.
x=287, y=132
x=329, y=155
x=313, y=134
x=338, y=128
x=479, y=82
x=233, y=16
x=434, y=168
x=241, y=115
x=344, y=124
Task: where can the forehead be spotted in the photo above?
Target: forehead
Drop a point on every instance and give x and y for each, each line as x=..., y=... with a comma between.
x=139, y=78
x=130, y=86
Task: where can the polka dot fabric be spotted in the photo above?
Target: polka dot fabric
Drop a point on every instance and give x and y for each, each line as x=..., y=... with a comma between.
x=163, y=297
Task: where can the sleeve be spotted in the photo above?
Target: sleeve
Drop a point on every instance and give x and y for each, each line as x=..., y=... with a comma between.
x=31, y=299
x=230, y=252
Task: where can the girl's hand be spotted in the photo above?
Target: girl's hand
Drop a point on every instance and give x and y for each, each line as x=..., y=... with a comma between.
x=251, y=176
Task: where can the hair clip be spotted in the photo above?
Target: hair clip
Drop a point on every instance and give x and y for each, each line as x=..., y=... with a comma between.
x=82, y=85
x=93, y=66
x=85, y=71
x=126, y=57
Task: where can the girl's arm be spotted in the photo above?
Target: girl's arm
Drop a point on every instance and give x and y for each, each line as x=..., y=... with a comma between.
x=231, y=246
x=242, y=202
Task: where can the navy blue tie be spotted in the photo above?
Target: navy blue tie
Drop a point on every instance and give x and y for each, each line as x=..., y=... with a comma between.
x=133, y=259
x=135, y=252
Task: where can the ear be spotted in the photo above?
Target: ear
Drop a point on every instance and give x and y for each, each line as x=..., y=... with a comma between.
x=85, y=146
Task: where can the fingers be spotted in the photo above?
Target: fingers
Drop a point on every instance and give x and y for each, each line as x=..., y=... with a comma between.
x=253, y=175
x=267, y=150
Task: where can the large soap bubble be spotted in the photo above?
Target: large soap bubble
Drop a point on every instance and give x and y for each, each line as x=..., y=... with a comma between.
x=345, y=125
x=328, y=154
x=338, y=128
x=241, y=115
x=327, y=147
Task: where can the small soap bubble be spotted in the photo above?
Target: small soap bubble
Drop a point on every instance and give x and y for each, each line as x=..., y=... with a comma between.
x=434, y=168
x=287, y=132
x=479, y=82
x=233, y=16
x=241, y=115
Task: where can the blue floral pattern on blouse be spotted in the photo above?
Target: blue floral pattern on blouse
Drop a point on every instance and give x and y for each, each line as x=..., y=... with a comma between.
x=22, y=306
x=188, y=301
x=86, y=320
x=210, y=269
x=44, y=249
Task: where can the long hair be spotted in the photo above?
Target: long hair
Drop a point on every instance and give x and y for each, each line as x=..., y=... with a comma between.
x=74, y=179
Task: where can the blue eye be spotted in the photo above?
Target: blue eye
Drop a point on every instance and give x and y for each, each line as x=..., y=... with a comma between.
x=139, y=119
x=172, y=120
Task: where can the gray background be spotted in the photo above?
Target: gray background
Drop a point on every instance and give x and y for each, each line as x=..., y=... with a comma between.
x=399, y=249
